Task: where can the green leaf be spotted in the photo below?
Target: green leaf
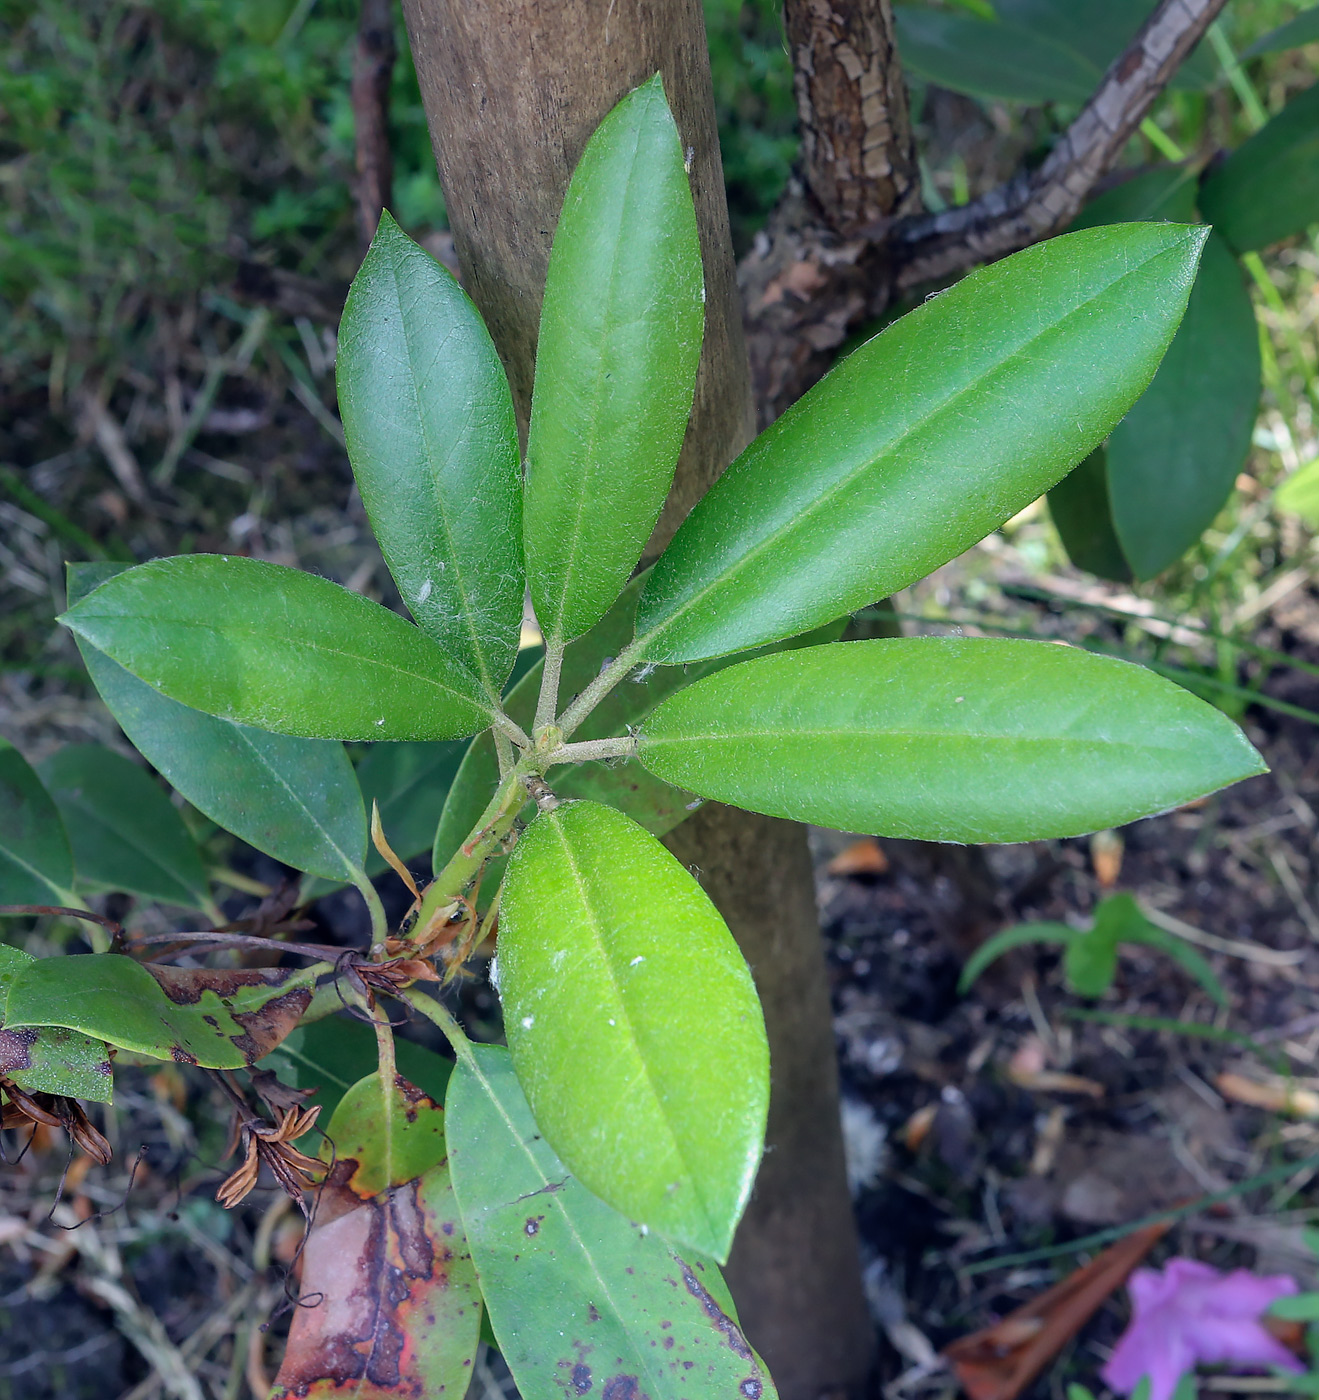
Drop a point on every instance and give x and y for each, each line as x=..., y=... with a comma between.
x=1173, y=460
x=1167, y=192
x=946, y=739
x=991, y=59
x=50, y=1060
x=126, y=833
x=1008, y=380
x=576, y=1293
x=331, y=1055
x=1090, y=961
x=1004, y=941
x=642, y=1053
x=1303, y=29
x=1269, y=188
x=620, y=337
x=1299, y=494
x=220, y=1019
x=279, y=649
x=1121, y=919
x=36, y=865
x=399, y=1312
x=1301, y=1307
x=428, y=421
x=410, y=783
x=1081, y=512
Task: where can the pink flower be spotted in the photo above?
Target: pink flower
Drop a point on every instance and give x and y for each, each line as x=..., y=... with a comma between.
x=1190, y=1313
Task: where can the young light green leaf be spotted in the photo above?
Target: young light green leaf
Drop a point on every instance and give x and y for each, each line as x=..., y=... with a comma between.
x=620, y=337
x=36, y=865
x=1007, y=380
x=428, y=422
x=279, y=649
x=1299, y=494
x=1083, y=517
x=1019, y=936
x=126, y=833
x=1269, y=188
x=577, y=1294
x=1173, y=460
x=946, y=739
x=1121, y=920
x=399, y=1312
x=642, y=1053
x=1090, y=961
x=50, y=1060
x=220, y=1019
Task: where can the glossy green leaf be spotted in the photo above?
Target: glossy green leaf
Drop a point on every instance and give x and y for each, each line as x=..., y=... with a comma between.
x=36, y=865
x=220, y=1019
x=410, y=783
x=633, y=1024
x=428, y=422
x=1299, y=494
x=1006, y=381
x=279, y=649
x=294, y=799
x=329, y=1056
x=946, y=739
x=1173, y=460
x=620, y=337
x=578, y=1295
x=126, y=834
x=1303, y=29
x=1083, y=515
x=1269, y=188
x=1090, y=961
x=991, y=59
x=1019, y=936
x=399, y=1312
x=49, y=1059
x=1167, y=192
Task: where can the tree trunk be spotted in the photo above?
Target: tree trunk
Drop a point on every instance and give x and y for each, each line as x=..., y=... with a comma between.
x=512, y=91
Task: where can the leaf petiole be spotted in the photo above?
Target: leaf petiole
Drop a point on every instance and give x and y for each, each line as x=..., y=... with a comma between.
x=440, y=1016
x=608, y=678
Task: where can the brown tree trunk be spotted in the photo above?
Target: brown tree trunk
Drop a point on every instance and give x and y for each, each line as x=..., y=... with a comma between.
x=512, y=90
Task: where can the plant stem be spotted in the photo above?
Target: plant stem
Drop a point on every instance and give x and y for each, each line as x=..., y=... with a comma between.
x=434, y=1012
x=385, y=1051
x=514, y=731
x=547, y=703
x=622, y=747
x=600, y=687
x=379, y=923
x=504, y=753
x=1236, y=75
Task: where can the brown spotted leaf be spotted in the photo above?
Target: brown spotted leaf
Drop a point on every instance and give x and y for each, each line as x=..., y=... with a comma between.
x=390, y=1305
x=583, y=1302
x=49, y=1059
x=218, y=1018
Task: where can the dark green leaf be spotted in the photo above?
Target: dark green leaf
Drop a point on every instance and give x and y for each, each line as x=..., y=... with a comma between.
x=1269, y=188
x=279, y=649
x=126, y=833
x=1081, y=512
x=620, y=336
x=1090, y=961
x=399, y=1311
x=329, y=1056
x=50, y=1059
x=1302, y=29
x=410, y=783
x=642, y=1052
x=1165, y=193
x=1173, y=460
x=219, y=1019
x=1004, y=941
x=36, y=866
x=991, y=58
x=578, y=1295
x=428, y=421
x=1008, y=380
x=946, y=739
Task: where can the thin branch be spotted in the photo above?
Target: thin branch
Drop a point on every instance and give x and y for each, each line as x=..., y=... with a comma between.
x=86, y=914
x=588, y=749
x=219, y=939
x=1035, y=205
x=373, y=68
